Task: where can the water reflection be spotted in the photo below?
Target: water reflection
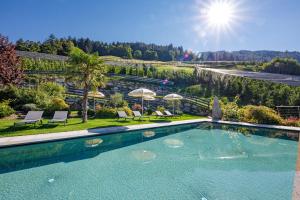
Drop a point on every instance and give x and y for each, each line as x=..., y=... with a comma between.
x=144, y=155
x=93, y=142
x=148, y=134
x=230, y=144
x=173, y=143
x=248, y=131
x=24, y=157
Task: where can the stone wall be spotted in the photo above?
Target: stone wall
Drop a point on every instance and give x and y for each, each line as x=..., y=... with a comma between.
x=124, y=87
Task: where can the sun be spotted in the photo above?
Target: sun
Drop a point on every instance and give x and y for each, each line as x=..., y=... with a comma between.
x=220, y=13
x=218, y=17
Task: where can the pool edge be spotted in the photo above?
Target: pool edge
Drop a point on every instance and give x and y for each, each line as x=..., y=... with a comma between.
x=50, y=137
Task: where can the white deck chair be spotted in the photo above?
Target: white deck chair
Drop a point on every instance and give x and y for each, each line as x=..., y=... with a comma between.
x=32, y=117
x=59, y=117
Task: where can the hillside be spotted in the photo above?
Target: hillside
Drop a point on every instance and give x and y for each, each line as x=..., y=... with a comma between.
x=244, y=55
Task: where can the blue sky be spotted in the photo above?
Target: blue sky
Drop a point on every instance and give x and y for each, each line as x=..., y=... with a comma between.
x=259, y=24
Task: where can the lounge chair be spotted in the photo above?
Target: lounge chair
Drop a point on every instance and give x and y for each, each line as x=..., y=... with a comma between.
x=59, y=117
x=137, y=114
x=32, y=117
x=123, y=115
x=159, y=114
x=169, y=114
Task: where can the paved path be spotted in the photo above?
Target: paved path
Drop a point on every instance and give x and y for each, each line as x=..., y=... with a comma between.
x=277, y=78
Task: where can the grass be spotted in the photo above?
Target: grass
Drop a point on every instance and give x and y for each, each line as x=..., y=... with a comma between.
x=7, y=130
x=174, y=67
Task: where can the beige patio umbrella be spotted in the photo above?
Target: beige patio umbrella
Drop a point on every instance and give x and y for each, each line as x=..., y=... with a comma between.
x=95, y=94
x=173, y=97
x=142, y=93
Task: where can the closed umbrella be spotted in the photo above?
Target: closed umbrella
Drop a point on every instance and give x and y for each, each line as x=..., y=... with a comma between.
x=141, y=93
x=173, y=97
x=96, y=94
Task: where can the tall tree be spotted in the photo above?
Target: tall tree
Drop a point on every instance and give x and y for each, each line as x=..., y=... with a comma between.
x=137, y=54
x=10, y=70
x=89, y=70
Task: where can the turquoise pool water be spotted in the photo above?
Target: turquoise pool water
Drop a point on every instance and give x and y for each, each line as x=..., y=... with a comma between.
x=206, y=161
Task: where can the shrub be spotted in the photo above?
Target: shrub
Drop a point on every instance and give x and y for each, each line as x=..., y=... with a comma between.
x=127, y=110
x=149, y=111
x=259, y=114
x=230, y=111
x=52, y=89
x=5, y=109
x=116, y=99
x=161, y=108
x=91, y=112
x=194, y=90
x=79, y=113
x=106, y=112
x=40, y=96
x=29, y=107
x=56, y=104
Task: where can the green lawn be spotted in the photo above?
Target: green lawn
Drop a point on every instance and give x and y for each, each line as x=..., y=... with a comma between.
x=6, y=126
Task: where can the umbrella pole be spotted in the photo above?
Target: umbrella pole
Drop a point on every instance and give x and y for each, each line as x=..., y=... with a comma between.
x=94, y=107
x=173, y=108
x=143, y=105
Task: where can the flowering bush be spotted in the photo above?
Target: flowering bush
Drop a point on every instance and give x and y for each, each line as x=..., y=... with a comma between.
x=292, y=121
x=137, y=106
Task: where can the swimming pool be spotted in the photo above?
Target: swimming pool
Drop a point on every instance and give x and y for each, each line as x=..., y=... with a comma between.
x=196, y=161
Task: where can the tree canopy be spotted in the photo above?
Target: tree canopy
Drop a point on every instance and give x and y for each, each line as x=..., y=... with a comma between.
x=88, y=70
x=138, y=50
x=10, y=70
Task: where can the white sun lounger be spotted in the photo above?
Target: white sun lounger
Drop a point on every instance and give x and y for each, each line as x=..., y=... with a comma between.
x=32, y=117
x=59, y=117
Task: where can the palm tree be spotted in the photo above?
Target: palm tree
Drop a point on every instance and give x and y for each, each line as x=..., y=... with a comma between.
x=87, y=71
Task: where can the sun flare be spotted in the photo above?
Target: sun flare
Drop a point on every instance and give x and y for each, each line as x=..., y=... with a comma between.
x=218, y=17
x=220, y=13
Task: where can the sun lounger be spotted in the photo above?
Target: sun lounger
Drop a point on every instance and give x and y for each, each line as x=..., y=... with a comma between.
x=123, y=115
x=59, y=117
x=159, y=114
x=32, y=117
x=138, y=115
x=169, y=114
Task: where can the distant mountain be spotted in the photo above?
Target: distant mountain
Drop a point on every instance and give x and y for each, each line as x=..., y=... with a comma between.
x=244, y=55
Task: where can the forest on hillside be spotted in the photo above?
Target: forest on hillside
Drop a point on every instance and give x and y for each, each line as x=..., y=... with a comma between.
x=128, y=50
x=243, y=55
x=143, y=51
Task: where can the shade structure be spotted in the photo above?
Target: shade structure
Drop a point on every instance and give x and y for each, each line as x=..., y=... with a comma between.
x=173, y=97
x=142, y=93
x=149, y=98
x=95, y=94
